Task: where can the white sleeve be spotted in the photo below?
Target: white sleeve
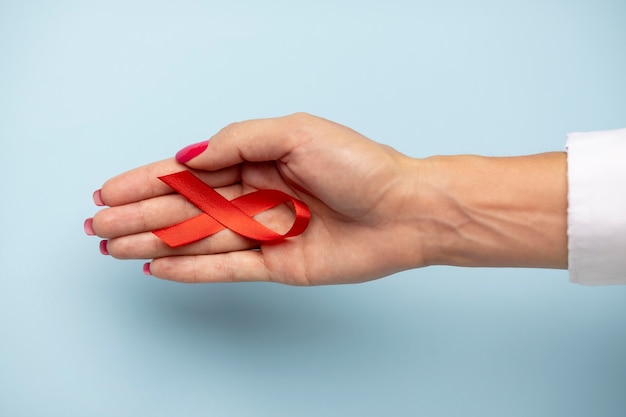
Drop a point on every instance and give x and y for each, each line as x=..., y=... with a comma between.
x=596, y=212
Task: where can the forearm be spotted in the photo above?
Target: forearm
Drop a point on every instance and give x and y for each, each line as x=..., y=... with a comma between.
x=484, y=211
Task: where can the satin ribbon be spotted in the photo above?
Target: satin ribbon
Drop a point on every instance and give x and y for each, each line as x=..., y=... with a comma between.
x=219, y=213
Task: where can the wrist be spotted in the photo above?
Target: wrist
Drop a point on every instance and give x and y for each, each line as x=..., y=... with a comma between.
x=481, y=211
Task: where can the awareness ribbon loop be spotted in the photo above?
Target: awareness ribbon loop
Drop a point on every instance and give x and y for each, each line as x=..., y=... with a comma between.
x=219, y=213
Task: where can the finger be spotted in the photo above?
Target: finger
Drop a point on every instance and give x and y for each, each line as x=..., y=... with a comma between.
x=242, y=266
x=255, y=141
x=150, y=214
x=146, y=215
x=148, y=246
x=159, y=212
x=143, y=182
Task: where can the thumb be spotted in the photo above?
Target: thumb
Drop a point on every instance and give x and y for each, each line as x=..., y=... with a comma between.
x=253, y=140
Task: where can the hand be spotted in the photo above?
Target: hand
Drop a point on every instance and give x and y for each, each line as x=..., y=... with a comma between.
x=361, y=195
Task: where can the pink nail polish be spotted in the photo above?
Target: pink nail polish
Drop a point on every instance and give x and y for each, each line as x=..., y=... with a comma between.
x=97, y=198
x=88, y=226
x=146, y=268
x=188, y=153
x=103, y=247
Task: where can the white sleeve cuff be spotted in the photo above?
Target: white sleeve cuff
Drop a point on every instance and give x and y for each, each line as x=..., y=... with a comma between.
x=597, y=207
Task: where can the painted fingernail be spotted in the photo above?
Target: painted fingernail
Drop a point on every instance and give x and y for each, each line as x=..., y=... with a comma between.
x=88, y=226
x=188, y=153
x=146, y=268
x=103, y=247
x=97, y=198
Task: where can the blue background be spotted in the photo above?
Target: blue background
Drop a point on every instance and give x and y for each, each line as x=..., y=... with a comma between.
x=90, y=89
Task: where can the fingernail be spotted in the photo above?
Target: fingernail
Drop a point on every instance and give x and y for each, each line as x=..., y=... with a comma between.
x=103, y=247
x=97, y=198
x=88, y=226
x=146, y=268
x=188, y=153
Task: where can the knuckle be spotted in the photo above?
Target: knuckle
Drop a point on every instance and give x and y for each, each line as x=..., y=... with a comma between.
x=231, y=130
x=301, y=116
x=302, y=128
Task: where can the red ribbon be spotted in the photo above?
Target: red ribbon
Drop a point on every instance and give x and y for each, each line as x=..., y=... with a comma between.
x=219, y=213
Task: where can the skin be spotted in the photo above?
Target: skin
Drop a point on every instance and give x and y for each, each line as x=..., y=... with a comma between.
x=374, y=210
